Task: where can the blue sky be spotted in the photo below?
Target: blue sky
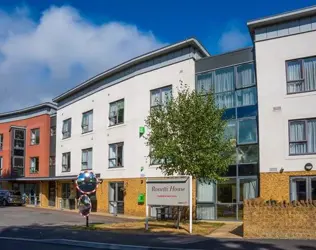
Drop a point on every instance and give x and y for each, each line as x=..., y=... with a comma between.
x=49, y=46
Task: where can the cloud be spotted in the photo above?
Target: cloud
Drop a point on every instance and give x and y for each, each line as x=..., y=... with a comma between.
x=41, y=59
x=233, y=38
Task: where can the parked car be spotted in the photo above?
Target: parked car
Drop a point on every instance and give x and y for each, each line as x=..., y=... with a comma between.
x=11, y=197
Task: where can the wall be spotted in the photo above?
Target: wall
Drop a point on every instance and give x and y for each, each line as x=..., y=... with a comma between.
x=271, y=77
x=288, y=221
x=44, y=194
x=41, y=150
x=276, y=186
x=136, y=93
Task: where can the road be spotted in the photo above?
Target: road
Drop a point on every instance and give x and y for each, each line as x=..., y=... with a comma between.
x=32, y=228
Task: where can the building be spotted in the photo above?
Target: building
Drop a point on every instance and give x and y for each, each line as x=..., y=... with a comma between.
x=286, y=78
x=100, y=122
x=231, y=77
x=27, y=151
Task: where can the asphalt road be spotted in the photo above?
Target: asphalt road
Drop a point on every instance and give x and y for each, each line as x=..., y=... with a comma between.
x=41, y=225
x=27, y=216
x=18, y=245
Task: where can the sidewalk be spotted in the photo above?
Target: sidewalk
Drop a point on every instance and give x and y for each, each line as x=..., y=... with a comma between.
x=231, y=230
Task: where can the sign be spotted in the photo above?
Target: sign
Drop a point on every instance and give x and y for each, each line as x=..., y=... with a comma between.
x=168, y=192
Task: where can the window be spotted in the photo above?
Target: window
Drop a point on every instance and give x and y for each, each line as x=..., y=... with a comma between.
x=302, y=137
x=116, y=155
x=1, y=142
x=87, y=122
x=301, y=75
x=154, y=161
x=248, y=154
x=35, y=136
x=232, y=86
x=303, y=188
x=160, y=97
x=86, y=159
x=34, y=165
x=66, y=130
x=1, y=164
x=52, y=161
x=52, y=131
x=116, y=113
x=247, y=131
x=66, y=162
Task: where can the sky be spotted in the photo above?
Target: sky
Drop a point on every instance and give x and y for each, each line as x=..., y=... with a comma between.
x=48, y=47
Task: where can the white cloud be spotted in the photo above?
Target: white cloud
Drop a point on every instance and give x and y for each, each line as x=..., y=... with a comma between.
x=39, y=60
x=233, y=38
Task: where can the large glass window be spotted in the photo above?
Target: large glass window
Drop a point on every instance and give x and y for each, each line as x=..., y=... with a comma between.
x=303, y=188
x=248, y=154
x=247, y=131
x=301, y=75
x=232, y=86
x=248, y=189
x=302, y=137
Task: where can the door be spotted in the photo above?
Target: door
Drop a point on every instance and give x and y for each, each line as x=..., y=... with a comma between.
x=52, y=193
x=227, y=200
x=116, y=197
x=65, y=195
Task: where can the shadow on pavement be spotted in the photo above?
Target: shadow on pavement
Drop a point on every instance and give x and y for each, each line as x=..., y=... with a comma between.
x=40, y=232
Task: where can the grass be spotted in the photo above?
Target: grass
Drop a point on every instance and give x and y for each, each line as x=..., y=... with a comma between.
x=159, y=227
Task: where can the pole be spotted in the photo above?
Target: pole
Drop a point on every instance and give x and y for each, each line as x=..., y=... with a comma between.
x=190, y=197
x=147, y=209
x=87, y=221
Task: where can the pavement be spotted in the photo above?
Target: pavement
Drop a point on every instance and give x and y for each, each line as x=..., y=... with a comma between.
x=33, y=228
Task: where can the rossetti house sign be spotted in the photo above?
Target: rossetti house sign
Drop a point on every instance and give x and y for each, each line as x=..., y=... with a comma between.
x=168, y=192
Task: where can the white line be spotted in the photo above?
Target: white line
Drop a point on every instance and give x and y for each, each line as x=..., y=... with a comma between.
x=90, y=244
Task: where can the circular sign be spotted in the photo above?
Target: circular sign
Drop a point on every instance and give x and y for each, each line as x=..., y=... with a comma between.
x=308, y=166
x=87, y=182
x=84, y=205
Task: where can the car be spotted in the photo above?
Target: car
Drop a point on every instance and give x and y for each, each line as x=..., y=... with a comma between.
x=11, y=197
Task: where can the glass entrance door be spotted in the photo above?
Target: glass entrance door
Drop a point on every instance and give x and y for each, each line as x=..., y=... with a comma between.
x=116, y=197
x=227, y=200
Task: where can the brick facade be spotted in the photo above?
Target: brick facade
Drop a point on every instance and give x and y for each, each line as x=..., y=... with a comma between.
x=276, y=186
x=282, y=220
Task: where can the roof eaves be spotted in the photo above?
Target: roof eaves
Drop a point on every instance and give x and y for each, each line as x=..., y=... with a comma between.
x=192, y=41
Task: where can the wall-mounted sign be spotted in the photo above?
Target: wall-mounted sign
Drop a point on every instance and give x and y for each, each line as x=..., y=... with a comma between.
x=168, y=192
x=308, y=166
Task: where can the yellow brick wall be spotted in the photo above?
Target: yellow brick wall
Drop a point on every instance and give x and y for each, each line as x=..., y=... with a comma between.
x=133, y=187
x=44, y=194
x=283, y=220
x=276, y=186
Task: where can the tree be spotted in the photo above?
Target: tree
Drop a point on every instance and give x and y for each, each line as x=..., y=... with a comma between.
x=187, y=135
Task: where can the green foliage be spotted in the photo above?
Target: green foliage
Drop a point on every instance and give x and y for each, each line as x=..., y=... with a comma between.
x=188, y=133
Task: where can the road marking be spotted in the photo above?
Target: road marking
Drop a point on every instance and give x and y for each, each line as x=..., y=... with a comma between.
x=91, y=244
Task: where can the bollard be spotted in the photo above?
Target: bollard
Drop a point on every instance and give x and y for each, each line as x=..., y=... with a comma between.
x=146, y=224
x=115, y=209
x=60, y=204
x=35, y=200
